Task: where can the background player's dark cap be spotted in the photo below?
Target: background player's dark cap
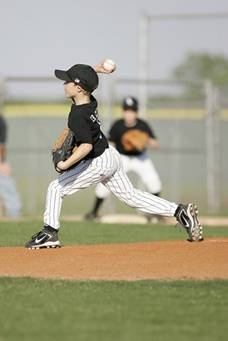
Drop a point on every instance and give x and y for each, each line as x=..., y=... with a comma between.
x=81, y=74
x=130, y=103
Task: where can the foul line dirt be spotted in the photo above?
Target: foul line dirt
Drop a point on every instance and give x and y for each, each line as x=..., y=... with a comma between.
x=154, y=260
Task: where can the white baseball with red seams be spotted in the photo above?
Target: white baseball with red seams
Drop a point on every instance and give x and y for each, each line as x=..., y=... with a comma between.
x=109, y=65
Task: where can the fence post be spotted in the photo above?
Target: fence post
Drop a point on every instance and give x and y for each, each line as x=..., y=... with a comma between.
x=212, y=149
x=144, y=63
x=2, y=93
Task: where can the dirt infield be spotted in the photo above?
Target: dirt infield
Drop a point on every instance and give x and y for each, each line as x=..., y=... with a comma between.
x=154, y=260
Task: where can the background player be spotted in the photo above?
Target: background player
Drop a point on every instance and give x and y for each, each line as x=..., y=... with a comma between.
x=94, y=161
x=8, y=192
x=134, y=159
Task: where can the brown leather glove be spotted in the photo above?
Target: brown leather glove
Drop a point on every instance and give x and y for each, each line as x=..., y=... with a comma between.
x=63, y=147
x=135, y=139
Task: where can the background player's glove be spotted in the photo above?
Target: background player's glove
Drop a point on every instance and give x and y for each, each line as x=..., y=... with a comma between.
x=135, y=139
x=63, y=147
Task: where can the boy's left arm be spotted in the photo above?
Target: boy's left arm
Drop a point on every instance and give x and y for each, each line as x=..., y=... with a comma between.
x=4, y=166
x=78, y=154
x=153, y=143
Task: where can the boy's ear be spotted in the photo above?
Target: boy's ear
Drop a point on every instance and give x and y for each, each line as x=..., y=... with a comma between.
x=79, y=88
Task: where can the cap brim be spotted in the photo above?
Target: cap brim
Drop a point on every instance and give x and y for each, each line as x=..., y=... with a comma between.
x=61, y=74
x=128, y=107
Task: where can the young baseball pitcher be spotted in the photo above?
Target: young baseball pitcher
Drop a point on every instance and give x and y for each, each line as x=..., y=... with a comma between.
x=94, y=161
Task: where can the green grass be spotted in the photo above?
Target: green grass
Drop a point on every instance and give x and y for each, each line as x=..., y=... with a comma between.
x=144, y=310
x=17, y=233
x=32, y=309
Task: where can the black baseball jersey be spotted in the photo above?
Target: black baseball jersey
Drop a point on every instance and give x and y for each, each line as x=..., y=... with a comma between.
x=84, y=122
x=3, y=130
x=119, y=128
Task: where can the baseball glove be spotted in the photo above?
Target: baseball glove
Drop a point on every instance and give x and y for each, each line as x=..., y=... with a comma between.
x=63, y=147
x=135, y=139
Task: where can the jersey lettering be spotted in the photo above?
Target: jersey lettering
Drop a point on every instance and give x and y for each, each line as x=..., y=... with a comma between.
x=94, y=117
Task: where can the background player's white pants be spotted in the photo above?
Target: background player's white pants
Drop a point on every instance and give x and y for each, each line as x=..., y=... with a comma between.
x=10, y=196
x=108, y=169
x=143, y=167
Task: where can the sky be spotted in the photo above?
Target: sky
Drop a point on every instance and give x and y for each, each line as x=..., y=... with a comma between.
x=39, y=36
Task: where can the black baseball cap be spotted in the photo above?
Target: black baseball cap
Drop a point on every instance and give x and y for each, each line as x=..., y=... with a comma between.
x=130, y=103
x=81, y=74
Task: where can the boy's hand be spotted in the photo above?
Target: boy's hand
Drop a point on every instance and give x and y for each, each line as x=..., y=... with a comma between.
x=5, y=169
x=61, y=166
x=102, y=68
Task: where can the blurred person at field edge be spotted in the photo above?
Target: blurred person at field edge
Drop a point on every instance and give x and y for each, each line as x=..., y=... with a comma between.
x=137, y=161
x=9, y=196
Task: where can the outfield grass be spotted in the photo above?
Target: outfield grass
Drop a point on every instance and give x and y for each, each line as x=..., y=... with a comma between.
x=144, y=310
x=57, y=310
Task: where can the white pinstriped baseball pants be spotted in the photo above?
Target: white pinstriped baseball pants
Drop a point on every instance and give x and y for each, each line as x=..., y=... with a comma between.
x=108, y=169
x=143, y=167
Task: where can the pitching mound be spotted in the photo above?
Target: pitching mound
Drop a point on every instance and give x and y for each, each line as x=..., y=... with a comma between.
x=155, y=260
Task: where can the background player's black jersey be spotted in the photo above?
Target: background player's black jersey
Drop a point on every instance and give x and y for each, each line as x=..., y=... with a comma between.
x=2, y=130
x=119, y=129
x=84, y=122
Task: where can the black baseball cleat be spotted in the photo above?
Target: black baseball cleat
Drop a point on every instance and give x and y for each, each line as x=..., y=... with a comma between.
x=187, y=216
x=46, y=238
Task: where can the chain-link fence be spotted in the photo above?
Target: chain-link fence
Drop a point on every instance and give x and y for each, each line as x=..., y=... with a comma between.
x=189, y=119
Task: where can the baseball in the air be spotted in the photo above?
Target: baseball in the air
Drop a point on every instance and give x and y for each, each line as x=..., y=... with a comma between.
x=109, y=65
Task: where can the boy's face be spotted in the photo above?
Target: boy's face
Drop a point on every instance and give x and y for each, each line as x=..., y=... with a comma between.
x=70, y=89
x=130, y=116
